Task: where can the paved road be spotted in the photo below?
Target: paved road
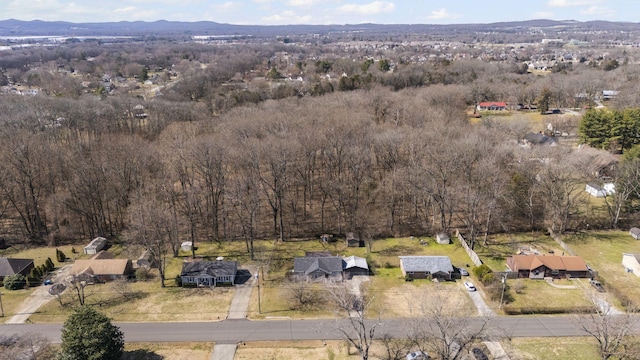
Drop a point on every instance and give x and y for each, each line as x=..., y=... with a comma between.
x=235, y=331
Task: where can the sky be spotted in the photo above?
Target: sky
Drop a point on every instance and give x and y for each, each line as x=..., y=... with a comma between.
x=322, y=12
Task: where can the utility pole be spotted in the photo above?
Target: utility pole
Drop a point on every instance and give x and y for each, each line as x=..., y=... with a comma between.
x=504, y=284
x=259, y=305
x=1, y=308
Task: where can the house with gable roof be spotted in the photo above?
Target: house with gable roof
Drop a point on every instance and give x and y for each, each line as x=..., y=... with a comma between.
x=9, y=267
x=312, y=267
x=426, y=267
x=541, y=266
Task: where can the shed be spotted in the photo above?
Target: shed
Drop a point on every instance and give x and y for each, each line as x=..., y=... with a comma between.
x=95, y=245
x=146, y=260
x=186, y=246
x=353, y=241
x=635, y=233
x=443, y=238
x=631, y=263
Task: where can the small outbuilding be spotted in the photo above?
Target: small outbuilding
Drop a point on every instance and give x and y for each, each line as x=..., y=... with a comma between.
x=443, y=238
x=635, y=233
x=186, y=246
x=354, y=241
x=631, y=263
x=95, y=245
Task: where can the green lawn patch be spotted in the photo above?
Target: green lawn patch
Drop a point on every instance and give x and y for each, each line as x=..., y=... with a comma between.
x=552, y=348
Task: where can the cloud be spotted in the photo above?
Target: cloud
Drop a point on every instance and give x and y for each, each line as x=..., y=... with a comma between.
x=285, y=18
x=373, y=8
x=442, y=14
x=229, y=5
x=569, y=3
x=599, y=11
x=302, y=2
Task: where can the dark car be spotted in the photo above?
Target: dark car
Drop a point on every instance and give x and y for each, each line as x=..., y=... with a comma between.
x=597, y=285
x=479, y=354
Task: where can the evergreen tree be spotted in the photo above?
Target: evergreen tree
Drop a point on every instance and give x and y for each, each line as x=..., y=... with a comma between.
x=89, y=335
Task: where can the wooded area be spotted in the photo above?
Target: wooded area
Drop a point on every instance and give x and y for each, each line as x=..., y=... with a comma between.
x=228, y=148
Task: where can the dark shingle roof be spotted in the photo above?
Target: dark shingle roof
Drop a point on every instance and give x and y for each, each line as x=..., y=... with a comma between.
x=431, y=264
x=13, y=266
x=212, y=268
x=307, y=265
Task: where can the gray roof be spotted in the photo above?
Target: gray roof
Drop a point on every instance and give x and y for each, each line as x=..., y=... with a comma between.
x=211, y=268
x=13, y=266
x=307, y=265
x=354, y=261
x=431, y=264
x=634, y=230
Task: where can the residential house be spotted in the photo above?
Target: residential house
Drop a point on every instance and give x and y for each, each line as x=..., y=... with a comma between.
x=635, y=233
x=598, y=191
x=443, y=238
x=541, y=266
x=492, y=106
x=631, y=263
x=426, y=267
x=9, y=267
x=102, y=270
x=355, y=266
x=146, y=260
x=609, y=94
x=318, y=267
x=95, y=245
x=208, y=273
x=539, y=139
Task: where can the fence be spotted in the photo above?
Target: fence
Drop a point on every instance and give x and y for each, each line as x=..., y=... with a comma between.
x=472, y=254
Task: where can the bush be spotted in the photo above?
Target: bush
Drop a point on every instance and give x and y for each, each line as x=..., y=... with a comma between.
x=481, y=271
x=15, y=282
x=178, y=281
x=74, y=251
x=60, y=256
x=49, y=265
x=142, y=274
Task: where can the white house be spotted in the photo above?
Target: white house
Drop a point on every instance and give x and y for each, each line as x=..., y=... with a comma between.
x=631, y=263
x=598, y=191
x=95, y=245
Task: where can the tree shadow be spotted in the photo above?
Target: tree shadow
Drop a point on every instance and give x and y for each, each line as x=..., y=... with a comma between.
x=141, y=354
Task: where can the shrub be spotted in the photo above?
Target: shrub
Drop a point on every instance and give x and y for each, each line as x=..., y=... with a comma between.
x=142, y=274
x=49, y=264
x=15, y=282
x=178, y=281
x=482, y=270
x=60, y=256
x=74, y=251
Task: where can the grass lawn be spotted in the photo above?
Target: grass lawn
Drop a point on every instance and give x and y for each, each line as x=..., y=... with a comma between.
x=146, y=302
x=540, y=294
x=603, y=252
x=40, y=254
x=11, y=300
x=501, y=246
x=568, y=348
x=308, y=349
x=174, y=351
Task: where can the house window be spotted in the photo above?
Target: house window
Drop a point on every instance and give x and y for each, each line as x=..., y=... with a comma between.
x=555, y=272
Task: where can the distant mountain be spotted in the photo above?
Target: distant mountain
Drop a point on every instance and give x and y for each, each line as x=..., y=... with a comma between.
x=14, y=27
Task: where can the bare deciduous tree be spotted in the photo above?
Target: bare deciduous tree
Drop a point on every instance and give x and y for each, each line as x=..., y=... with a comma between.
x=613, y=333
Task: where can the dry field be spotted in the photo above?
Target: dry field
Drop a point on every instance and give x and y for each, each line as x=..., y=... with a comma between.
x=173, y=351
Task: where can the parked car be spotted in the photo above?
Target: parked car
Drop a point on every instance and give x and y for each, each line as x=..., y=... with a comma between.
x=464, y=272
x=597, y=285
x=418, y=355
x=479, y=354
x=469, y=286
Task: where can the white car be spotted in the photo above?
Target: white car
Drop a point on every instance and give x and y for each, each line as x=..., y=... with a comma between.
x=469, y=286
